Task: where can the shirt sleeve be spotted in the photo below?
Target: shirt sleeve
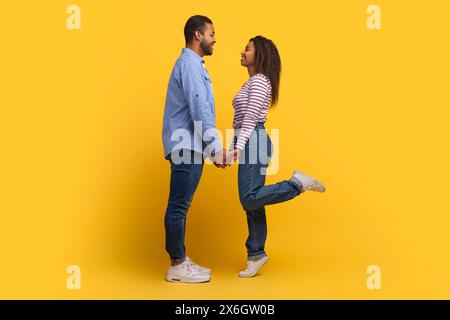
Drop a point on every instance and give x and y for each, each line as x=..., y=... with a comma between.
x=200, y=109
x=258, y=92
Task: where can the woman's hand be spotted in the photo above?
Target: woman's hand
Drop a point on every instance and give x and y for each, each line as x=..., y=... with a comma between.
x=232, y=156
x=236, y=154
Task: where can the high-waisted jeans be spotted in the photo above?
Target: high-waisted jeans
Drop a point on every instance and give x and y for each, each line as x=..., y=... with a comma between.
x=254, y=195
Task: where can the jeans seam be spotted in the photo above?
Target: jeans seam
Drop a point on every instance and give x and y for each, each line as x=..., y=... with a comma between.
x=254, y=224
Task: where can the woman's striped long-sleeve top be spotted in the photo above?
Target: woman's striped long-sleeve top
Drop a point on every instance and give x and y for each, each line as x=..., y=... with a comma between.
x=251, y=105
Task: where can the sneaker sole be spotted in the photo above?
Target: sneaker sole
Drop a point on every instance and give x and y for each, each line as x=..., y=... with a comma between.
x=205, y=271
x=256, y=271
x=186, y=280
x=317, y=183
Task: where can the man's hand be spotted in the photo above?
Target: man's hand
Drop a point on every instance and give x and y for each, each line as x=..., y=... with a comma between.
x=226, y=158
x=219, y=159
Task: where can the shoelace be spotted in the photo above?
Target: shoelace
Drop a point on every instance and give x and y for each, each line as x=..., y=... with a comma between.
x=189, y=269
x=195, y=266
x=248, y=269
x=192, y=264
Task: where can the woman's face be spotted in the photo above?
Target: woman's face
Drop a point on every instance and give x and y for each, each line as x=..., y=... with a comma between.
x=248, y=55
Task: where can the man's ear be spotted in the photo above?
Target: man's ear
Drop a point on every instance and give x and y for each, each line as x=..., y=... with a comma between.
x=198, y=35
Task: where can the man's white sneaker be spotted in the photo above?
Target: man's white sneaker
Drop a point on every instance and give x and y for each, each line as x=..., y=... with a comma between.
x=307, y=182
x=199, y=268
x=253, y=267
x=184, y=272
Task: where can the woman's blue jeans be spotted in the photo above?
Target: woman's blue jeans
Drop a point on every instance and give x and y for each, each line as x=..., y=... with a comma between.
x=254, y=195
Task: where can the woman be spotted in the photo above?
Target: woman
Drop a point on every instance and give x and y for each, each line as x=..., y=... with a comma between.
x=253, y=147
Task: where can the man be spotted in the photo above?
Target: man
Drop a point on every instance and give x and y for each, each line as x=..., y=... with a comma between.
x=189, y=122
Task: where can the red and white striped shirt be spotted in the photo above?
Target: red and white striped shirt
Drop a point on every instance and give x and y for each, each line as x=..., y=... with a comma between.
x=251, y=105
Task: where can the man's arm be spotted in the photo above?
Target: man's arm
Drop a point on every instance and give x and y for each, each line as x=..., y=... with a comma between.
x=199, y=108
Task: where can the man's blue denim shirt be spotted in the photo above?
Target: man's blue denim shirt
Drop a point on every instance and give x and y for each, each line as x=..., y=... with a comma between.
x=189, y=113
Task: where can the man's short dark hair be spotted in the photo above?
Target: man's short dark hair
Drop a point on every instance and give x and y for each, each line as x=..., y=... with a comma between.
x=195, y=23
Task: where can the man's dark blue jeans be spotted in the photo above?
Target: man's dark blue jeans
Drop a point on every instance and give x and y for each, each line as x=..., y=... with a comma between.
x=184, y=179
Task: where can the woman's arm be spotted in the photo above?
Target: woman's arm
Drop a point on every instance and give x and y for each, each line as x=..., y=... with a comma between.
x=259, y=91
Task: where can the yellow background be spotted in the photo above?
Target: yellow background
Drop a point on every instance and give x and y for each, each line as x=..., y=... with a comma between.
x=84, y=182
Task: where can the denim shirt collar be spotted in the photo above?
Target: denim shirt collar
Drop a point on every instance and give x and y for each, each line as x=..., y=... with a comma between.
x=192, y=54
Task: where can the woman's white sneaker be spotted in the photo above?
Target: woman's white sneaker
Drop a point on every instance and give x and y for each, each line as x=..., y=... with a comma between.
x=199, y=268
x=186, y=273
x=253, y=267
x=307, y=182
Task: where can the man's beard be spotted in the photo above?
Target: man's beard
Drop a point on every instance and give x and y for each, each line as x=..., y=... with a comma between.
x=206, y=47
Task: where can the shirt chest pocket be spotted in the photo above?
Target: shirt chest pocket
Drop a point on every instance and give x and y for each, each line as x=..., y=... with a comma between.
x=207, y=79
x=208, y=83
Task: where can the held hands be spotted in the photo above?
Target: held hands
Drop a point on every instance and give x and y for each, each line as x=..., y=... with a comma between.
x=226, y=158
